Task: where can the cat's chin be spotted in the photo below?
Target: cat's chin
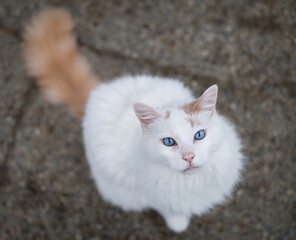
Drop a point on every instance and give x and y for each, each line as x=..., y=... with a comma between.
x=191, y=170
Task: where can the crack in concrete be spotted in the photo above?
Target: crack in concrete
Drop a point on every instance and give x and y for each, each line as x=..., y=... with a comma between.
x=4, y=179
x=11, y=32
x=20, y=114
x=19, y=117
x=177, y=69
x=180, y=69
x=206, y=71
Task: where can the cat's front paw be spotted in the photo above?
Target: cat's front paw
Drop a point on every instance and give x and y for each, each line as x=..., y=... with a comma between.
x=177, y=223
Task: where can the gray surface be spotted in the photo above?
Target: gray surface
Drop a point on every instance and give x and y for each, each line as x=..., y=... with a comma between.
x=247, y=47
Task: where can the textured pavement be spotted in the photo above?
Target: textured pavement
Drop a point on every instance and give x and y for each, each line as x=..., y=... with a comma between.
x=247, y=47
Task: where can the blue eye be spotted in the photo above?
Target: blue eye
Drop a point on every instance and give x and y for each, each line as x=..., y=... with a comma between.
x=168, y=142
x=200, y=135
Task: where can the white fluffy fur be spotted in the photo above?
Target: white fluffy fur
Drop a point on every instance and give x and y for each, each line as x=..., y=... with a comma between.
x=134, y=170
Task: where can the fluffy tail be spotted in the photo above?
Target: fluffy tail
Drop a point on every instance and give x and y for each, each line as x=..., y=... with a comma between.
x=52, y=57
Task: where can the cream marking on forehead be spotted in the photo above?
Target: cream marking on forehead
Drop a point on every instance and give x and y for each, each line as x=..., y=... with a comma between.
x=193, y=122
x=191, y=107
x=167, y=114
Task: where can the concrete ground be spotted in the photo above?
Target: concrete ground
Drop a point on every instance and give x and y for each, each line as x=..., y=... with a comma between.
x=247, y=47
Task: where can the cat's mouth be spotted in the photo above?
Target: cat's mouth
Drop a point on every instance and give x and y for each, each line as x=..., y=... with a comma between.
x=190, y=169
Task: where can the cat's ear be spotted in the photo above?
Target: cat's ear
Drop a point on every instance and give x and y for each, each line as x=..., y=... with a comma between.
x=145, y=114
x=207, y=102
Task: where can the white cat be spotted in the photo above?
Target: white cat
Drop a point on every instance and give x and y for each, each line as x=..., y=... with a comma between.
x=149, y=143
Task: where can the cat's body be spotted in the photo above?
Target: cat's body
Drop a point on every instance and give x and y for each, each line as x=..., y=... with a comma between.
x=151, y=145
x=129, y=176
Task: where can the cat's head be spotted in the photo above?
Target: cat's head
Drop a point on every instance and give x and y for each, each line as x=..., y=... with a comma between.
x=179, y=137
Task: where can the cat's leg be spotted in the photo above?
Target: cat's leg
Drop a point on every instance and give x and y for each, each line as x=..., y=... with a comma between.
x=177, y=223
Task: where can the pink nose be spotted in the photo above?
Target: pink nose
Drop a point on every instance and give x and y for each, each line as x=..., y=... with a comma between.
x=188, y=157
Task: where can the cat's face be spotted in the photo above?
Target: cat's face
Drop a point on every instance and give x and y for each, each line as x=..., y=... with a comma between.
x=179, y=138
